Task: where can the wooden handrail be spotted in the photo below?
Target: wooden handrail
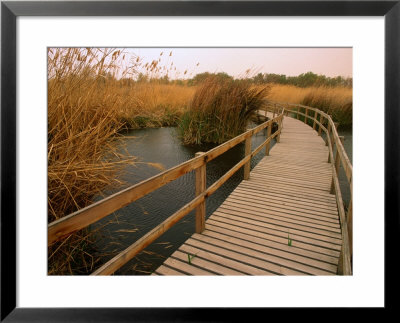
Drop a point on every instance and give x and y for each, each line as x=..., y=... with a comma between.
x=82, y=218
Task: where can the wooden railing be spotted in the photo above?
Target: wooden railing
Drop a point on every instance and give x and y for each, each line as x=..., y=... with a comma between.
x=334, y=143
x=80, y=219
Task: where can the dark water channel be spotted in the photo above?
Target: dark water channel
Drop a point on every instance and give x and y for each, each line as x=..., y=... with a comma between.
x=127, y=225
x=348, y=146
x=347, y=133
x=162, y=145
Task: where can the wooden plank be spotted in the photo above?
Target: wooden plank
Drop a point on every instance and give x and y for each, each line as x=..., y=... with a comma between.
x=287, y=212
x=291, y=185
x=312, y=211
x=279, y=244
x=320, y=175
x=266, y=220
x=296, y=214
x=290, y=169
x=324, y=207
x=270, y=179
x=280, y=231
x=245, y=256
x=294, y=181
x=288, y=158
x=288, y=191
x=292, y=159
x=227, y=262
x=205, y=264
x=276, y=237
x=300, y=152
x=319, y=178
x=273, y=260
x=291, y=173
x=186, y=268
x=289, y=259
x=164, y=270
x=285, y=162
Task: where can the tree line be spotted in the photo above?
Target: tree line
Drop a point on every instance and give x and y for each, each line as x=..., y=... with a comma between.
x=303, y=80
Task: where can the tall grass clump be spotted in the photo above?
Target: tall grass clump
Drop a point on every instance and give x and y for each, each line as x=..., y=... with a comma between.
x=83, y=150
x=220, y=110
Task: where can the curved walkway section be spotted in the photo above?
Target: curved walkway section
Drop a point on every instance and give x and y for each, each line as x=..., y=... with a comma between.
x=282, y=221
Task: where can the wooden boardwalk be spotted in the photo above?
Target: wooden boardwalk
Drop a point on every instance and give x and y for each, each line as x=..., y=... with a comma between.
x=282, y=221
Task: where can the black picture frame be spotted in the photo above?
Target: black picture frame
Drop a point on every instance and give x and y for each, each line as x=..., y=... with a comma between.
x=10, y=10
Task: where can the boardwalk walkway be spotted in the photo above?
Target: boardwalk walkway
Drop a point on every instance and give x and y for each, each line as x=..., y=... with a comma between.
x=282, y=221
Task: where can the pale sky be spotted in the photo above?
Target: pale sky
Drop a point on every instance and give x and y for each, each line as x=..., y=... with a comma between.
x=235, y=61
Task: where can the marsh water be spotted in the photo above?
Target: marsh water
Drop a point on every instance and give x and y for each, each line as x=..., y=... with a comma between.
x=162, y=145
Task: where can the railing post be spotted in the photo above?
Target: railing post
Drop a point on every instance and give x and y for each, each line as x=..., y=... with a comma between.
x=274, y=111
x=200, y=188
x=336, y=124
x=337, y=164
x=340, y=263
x=344, y=264
x=328, y=133
x=315, y=118
x=247, y=152
x=298, y=115
x=321, y=121
x=306, y=117
x=349, y=217
x=268, y=145
x=278, y=138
